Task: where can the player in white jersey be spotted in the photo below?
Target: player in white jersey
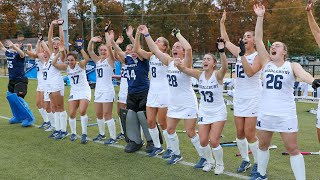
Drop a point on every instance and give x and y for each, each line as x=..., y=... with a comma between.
x=104, y=92
x=157, y=100
x=246, y=96
x=212, y=109
x=277, y=111
x=182, y=102
x=80, y=93
x=316, y=34
x=53, y=80
x=40, y=90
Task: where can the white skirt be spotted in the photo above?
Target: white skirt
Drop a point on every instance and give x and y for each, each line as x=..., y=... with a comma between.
x=103, y=97
x=277, y=123
x=78, y=95
x=159, y=100
x=180, y=112
x=246, y=107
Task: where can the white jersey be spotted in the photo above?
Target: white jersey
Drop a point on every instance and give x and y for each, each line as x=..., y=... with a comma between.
x=123, y=81
x=180, y=88
x=158, y=81
x=78, y=78
x=277, y=96
x=104, y=76
x=247, y=87
x=52, y=75
x=211, y=101
x=39, y=66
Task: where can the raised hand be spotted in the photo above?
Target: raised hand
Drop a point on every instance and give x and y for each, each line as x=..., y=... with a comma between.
x=178, y=62
x=221, y=44
x=259, y=9
x=108, y=26
x=309, y=6
x=129, y=31
x=96, y=39
x=224, y=17
x=40, y=37
x=60, y=21
x=111, y=34
x=79, y=44
x=9, y=43
x=242, y=47
x=175, y=31
x=316, y=83
x=120, y=40
x=62, y=48
x=143, y=29
x=54, y=22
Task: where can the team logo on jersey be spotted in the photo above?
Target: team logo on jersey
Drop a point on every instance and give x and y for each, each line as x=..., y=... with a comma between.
x=259, y=123
x=71, y=97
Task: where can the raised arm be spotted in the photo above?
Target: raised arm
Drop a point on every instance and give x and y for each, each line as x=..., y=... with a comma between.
x=163, y=57
x=60, y=66
x=50, y=34
x=120, y=54
x=188, y=71
x=129, y=32
x=312, y=23
x=229, y=45
x=250, y=70
x=79, y=47
x=301, y=73
x=109, y=35
x=11, y=45
x=93, y=55
x=186, y=46
x=137, y=48
x=224, y=63
x=2, y=48
x=259, y=9
x=61, y=35
x=29, y=51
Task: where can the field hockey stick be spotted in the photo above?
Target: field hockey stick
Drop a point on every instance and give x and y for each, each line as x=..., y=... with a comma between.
x=231, y=142
x=183, y=131
x=270, y=148
x=304, y=153
x=228, y=145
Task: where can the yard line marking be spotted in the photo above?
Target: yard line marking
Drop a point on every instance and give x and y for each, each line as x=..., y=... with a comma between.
x=144, y=153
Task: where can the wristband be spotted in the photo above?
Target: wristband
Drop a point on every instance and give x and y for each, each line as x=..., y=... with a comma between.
x=147, y=35
x=221, y=50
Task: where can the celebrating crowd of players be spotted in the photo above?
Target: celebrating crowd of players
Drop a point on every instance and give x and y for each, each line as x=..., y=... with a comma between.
x=156, y=87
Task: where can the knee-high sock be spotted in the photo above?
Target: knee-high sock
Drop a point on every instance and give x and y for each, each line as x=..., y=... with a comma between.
x=218, y=155
x=263, y=159
x=243, y=148
x=112, y=128
x=63, y=121
x=174, y=142
x=101, y=126
x=254, y=148
x=298, y=166
x=196, y=143
x=43, y=115
x=154, y=133
x=73, y=125
x=57, y=121
x=51, y=118
x=121, y=128
x=207, y=153
x=84, y=123
x=166, y=138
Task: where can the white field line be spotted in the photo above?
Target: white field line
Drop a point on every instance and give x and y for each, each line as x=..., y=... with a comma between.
x=144, y=153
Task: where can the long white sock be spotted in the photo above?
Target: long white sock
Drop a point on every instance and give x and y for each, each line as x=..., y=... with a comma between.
x=254, y=148
x=298, y=166
x=166, y=138
x=218, y=155
x=263, y=159
x=57, y=121
x=43, y=115
x=101, y=126
x=73, y=125
x=112, y=128
x=196, y=143
x=121, y=128
x=50, y=116
x=174, y=142
x=243, y=148
x=84, y=123
x=207, y=153
x=63, y=121
x=154, y=133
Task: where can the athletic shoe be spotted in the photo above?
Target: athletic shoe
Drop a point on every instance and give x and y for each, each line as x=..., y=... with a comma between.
x=110, y=141
x=132, y=147
x=244, y=166
x=54, y=134
x=62, y=135
x=201, y=163
x=254, y=169
x=168, y=154
x=218, y=169
x=73, y=137
x=50, y=128
x=99, y=137
x=84, y=139
x=174, y=159
x=45, y=125
x=156, y=151
x=258, y=176
x=120, y=136
x=207, y=167
x=149, y=146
